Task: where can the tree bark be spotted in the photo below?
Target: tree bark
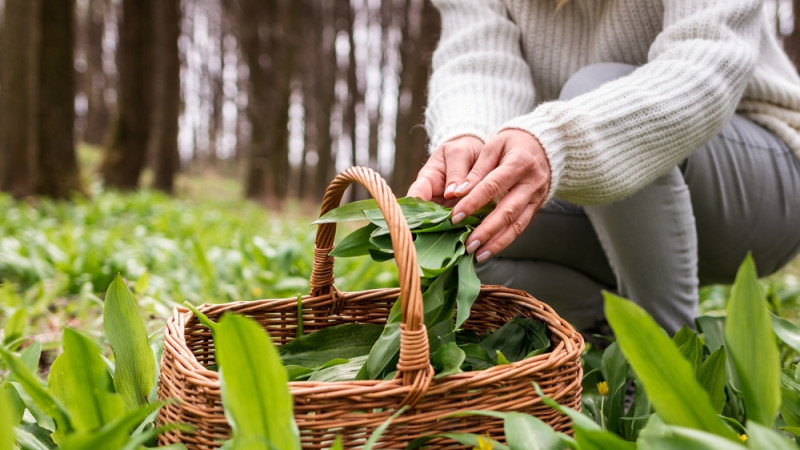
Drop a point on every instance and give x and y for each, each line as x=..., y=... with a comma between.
x=18, y=93
x=57, y=160
x=167, y=99
x=126, y=153
x=96, y=81
x=266, y=34
x=418, y=44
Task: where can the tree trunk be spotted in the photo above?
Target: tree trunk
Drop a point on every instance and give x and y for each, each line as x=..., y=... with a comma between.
x=167, y=86
x=59, y=175
x=420, y=35
x=126, y=153
x=18, y=92
x=96, y=81
x=271, y=65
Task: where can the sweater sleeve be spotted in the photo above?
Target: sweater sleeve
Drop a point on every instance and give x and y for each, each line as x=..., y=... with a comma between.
x=479, y=79
x=610, y=142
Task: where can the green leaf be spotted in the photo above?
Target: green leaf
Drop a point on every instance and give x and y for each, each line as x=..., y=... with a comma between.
x=344, y=371
x=447, y=359
x=639, y=413
x=614, y=368
x=80, y=379
x=255, y=390
x=113, y=434
x=434, y=250
x=673, y=437
x=468, y=439
x=477, y=357
x=786, y=331
x=600, y=440
x=517, y=338
x=666, y=375
x=376, y=435
x=689, y=345
x=6, y=421
x=525, y=432
x=469, y=286
x=386, y=348
x=790, y=404
x=754, y=353
x=713, y=329
x=15, y=326
x=33, y=387
x=765, y=438
x=134, y=362
x=340, y=341
x=348, y=212
x=33, y=437
x=356, y=243
x=712, y=376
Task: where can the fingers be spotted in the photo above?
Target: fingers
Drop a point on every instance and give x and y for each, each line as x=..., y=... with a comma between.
x=507, y=221
x=446, y=170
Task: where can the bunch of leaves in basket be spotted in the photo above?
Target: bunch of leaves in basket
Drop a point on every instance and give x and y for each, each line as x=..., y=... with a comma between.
x=450, y=287
x=721, y=388
x=88, y=401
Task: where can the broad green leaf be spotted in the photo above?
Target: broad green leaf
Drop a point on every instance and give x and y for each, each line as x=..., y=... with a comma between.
x=448, y=359
x=43, y=419
x=469, y=286
x=712, y=376
x=15, y=326
x=786, y=331
x=526, y=432
x=298, y=373
x=386, y=348
x=113, y=434
x=793, y=430
x=80, y=379
x=340, y=341
x=689, y=345
x=434, y=250
x=134, y=362
x=477, y=357
x=348, y=212
x=661, y=368
x=754, y=352
x=790, y=404
x=517, y=338
x=6, y=421
x=356, y=243
x=344, y=371
x=765, y=438
x=255, y=390
x=580, y=421
x=376, y=435
x=673, y=437
x=713, y=329
x=614, y=368
x=33, y=387
x=600, y=440
x=639, y=413
x=33, y=437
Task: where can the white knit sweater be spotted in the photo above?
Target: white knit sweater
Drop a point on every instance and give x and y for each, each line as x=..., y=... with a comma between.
x=501, y=64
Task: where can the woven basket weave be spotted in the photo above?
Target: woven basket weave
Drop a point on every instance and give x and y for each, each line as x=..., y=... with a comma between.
x=353, y=409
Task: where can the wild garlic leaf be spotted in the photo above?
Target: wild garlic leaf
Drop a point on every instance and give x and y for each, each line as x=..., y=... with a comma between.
x=315, y=349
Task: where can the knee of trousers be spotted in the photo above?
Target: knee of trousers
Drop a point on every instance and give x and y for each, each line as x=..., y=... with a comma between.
x=589, y=78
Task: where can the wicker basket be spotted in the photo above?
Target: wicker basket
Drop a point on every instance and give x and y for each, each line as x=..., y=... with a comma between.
x=353, y=409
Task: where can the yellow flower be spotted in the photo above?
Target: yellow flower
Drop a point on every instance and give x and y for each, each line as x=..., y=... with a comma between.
x=256, y=291
x=484, y=444
x=743, y=437
x=603, y=388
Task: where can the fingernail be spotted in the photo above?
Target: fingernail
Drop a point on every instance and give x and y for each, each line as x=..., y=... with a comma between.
x=450, y=189
x=461, y=187
x=472, y=246
x=457, y=218
x=483, y=256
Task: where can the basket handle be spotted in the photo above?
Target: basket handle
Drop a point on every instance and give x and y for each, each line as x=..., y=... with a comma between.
x=413, y=368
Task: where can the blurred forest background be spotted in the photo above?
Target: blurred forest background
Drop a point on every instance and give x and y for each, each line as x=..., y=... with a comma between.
x=277, y=94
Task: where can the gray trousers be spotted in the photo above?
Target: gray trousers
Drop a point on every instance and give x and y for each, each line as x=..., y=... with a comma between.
x=693, y=226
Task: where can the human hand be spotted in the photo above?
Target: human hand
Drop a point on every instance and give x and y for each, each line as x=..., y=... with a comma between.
x=446, y=170
x=511, y=165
